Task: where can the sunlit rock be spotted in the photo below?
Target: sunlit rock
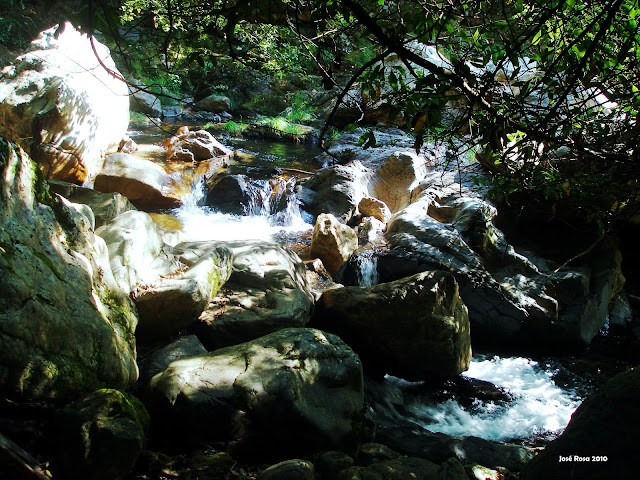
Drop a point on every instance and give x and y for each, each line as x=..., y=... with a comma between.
x=215, y=104
x=297, y=390
x=65, y=103
x=146, y=184
x=66, y=327
x=411, y=328
x=332, y=242
x=397, y=177
x=267, y=291
x=196, y=146
x=372, y=207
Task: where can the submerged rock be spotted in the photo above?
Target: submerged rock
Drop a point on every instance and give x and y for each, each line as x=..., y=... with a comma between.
x=66, y=327
x=293, y=391
x=267, y=291
x=332, y=242
x=65, y=103
x=412, y=328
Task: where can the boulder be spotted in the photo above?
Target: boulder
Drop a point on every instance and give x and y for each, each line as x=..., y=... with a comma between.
x=71, y=331
x=601, y=440
x=215, y=104
x=158, y=360
x=411, y=328
x=267, y=291
x=437, y=447
x=336, y=190
x=330, y=464
x=143, y=182
x=65, y=103
x=135, y=248
x=105, y=206
x=512, y=296
x=332, y=242
x=289, y=393
x=289, y=470
x=372, y=207
x=397, y=177
x=142, y=101
x=100, y=436
x=174, y=301
x=229, y=194
x=196, y=146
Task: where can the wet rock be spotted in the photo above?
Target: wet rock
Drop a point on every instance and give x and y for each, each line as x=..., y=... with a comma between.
x=105, y=206
x=62, y=106
x=66, y=327
x=174, y=301
x=478, y=472
x=196, y=146
x=332, y=242
x=229, y=194
x=412, y=328
x=143, y=182
x=295, y=391
x=437, y=447
x=289, y=470
x=267, y=291
x=599, y=441
x=452, y=469
x=100, y=436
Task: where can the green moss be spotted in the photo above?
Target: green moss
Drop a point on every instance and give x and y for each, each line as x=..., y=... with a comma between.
x=49, y=263
x=126, y=405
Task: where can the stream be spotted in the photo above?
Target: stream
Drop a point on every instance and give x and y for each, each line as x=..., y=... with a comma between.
x=503, y=398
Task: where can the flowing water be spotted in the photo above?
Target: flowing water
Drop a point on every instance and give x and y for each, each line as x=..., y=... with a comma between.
x=525, y=402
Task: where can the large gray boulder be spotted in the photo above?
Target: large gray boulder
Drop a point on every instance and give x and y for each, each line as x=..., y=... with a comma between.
x=601, y=440
x=145, y=183
x=65, y=103
x=412, y=328
x=66, y=327
x=295, y=391
x=267, y=291
x=512, y=296
x=143, y=101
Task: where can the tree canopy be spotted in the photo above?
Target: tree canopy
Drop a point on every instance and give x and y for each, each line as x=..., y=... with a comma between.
x=545, y=93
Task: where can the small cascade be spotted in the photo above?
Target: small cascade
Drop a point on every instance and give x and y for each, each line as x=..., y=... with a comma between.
x=272, y=209
x=367, y=269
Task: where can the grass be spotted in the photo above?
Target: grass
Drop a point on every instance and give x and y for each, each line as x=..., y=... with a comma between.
x=283, y=125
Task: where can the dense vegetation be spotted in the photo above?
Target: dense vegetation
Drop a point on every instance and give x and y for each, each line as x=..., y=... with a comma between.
x=545, y=93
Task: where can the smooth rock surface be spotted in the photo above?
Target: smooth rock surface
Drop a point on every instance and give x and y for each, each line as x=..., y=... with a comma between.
x=411, y=328
x=267, y=291
x=66, y=328
x=144, y=183
x=295, y=391
x=62, y=106
x=196, y=146
x=332, y=242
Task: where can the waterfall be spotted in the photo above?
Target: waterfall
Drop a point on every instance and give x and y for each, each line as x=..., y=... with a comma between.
x=272, y=209
x=367, y=269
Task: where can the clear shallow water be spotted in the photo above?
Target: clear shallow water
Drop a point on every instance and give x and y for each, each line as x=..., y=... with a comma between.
x=538, y=407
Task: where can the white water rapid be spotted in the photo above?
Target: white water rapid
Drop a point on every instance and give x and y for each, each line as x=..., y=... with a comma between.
x=539, y=407
x=262, y=222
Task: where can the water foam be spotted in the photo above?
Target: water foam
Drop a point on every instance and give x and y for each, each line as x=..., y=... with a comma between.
x=539, y=407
